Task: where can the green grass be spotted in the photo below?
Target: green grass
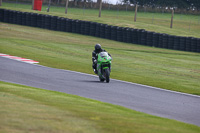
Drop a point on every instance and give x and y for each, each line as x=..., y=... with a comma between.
x=168, y=69
x=26, y=109
x=184, y=25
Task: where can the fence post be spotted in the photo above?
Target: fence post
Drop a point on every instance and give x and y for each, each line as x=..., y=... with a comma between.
x=67, y=1
x=100, y=5
x=91, y=4
x=75, y=3
x=171, y=25
x=49, y=6
x=135, y=13
x=32, y=4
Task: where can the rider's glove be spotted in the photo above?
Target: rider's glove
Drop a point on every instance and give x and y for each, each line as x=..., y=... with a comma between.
x=95, y=61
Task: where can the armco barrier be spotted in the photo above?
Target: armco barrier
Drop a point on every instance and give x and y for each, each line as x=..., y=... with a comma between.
x=122, y=34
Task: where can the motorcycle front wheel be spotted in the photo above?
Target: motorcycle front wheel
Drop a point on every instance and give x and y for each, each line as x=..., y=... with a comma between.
x=107, y=75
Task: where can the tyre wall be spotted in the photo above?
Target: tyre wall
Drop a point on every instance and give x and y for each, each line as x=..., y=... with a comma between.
x=121, y=34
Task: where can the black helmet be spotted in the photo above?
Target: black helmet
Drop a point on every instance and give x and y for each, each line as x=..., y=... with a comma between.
x=97, y=47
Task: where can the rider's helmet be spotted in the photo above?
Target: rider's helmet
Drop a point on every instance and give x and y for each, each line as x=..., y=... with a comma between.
x=97, y=47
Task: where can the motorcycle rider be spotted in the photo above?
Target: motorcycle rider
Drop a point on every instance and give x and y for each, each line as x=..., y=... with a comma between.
x=95, y=53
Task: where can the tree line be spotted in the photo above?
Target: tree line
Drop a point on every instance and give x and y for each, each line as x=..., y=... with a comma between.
x=189, y=4
x=182, y=4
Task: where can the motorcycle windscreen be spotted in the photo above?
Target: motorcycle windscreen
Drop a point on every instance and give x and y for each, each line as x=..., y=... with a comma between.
x=103, y=54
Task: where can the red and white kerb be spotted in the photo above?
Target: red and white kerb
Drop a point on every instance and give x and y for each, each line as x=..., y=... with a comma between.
x=18, y=58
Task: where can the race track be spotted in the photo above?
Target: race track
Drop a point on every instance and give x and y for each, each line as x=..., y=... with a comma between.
x=155, y=101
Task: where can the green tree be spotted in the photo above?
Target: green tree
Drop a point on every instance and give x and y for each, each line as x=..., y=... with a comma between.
x=195, y=4
x=165, y=3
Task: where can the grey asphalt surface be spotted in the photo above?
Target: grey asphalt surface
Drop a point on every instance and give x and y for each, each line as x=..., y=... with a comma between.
x=155, y=101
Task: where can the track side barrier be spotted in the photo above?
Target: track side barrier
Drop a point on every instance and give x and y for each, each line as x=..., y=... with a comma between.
x=121, y=34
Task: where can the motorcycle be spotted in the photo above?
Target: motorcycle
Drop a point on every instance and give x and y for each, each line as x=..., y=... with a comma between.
x=104, y=66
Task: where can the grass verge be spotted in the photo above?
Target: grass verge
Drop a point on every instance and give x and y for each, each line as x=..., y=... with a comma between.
x=27, y=109
x=168, y=69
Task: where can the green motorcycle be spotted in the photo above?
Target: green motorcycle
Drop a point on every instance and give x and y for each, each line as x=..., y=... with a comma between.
x=104, y=66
